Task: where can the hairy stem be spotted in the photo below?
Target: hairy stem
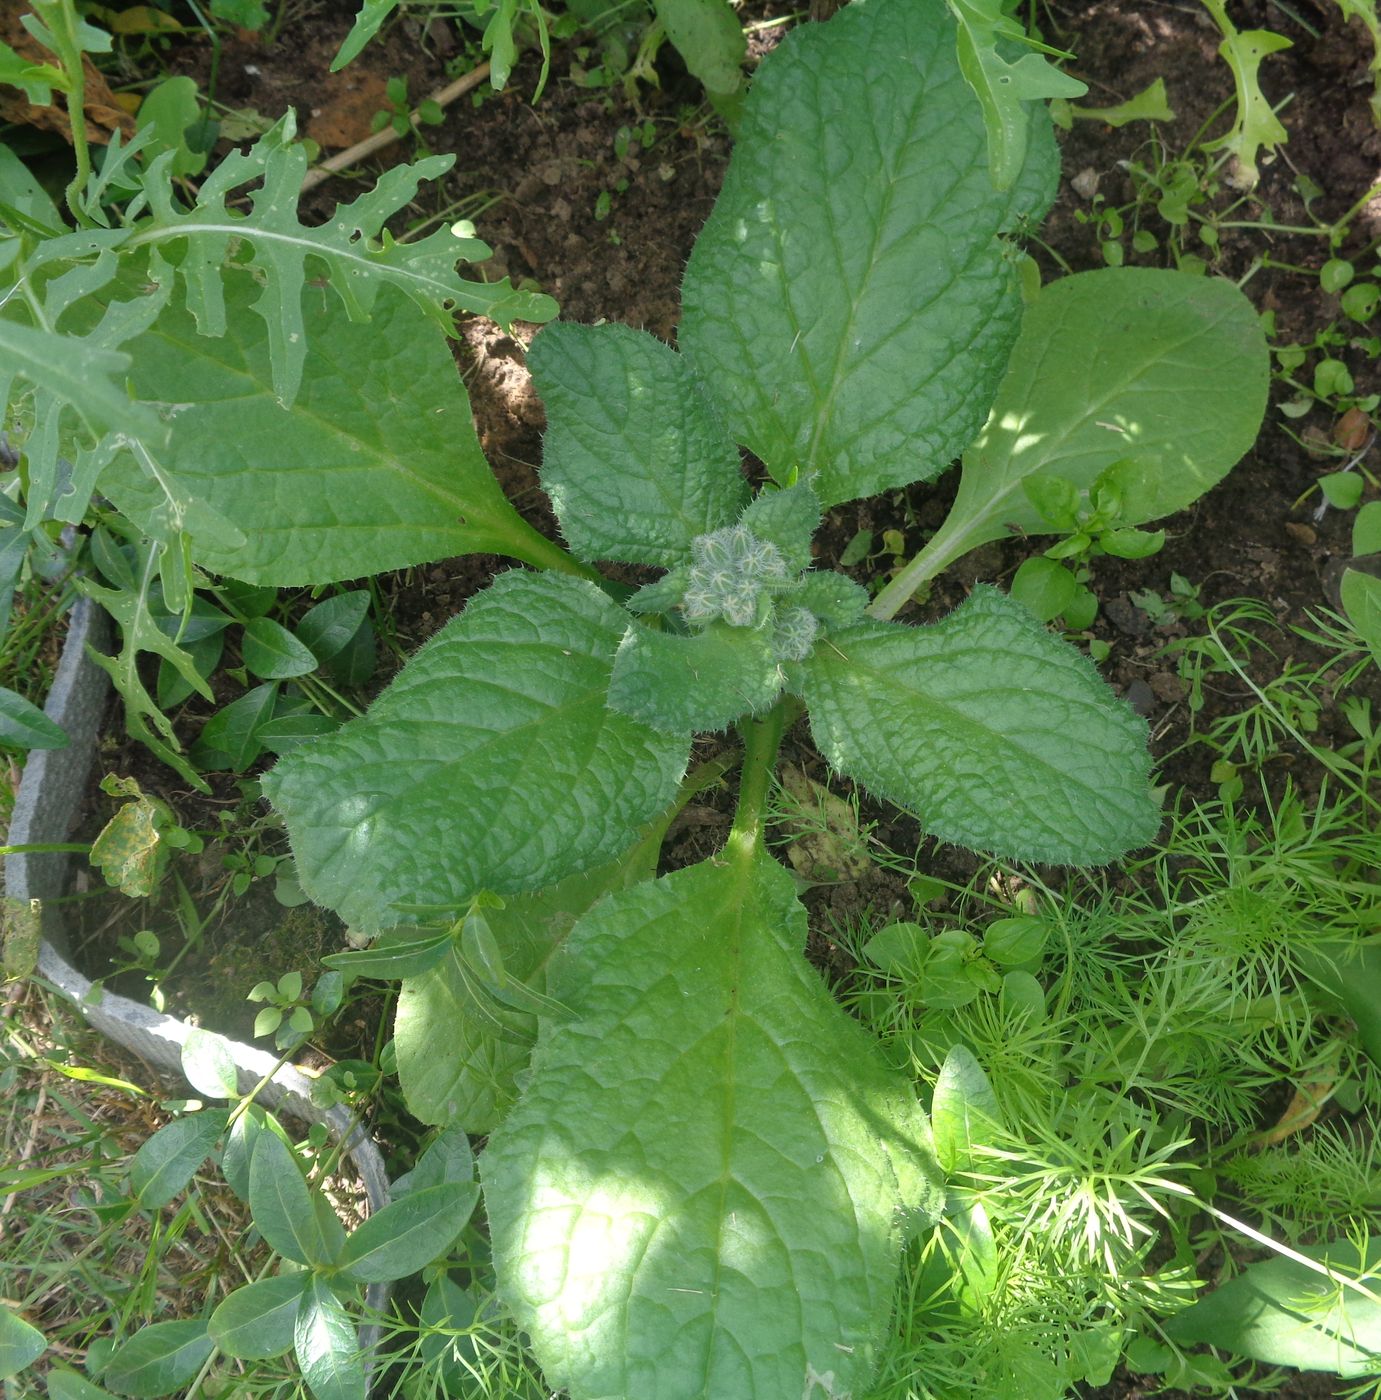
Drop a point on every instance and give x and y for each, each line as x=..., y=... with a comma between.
x=762, y=738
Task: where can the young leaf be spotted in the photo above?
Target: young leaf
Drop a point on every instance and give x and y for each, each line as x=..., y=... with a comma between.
x=408, y=1233
x=359, y=254
x=710, y=39
x=167, y=1161
x=681, y=684
x=1163, y=370
x=702, y=1177
x=208, y=1064
x=20, y=1344
x=1361, y=598
x=849, y=314
x=367, y=24
x=159, y=1359
x=375, y=466
x=283, y=1209
x=467, y=1076
x=1003, y=86
x=329, y=627
x=25, y=726
x=635, y=461
x=998, y=735
x=259, y=1320
x=272, y=653
x=327, y=1346
x=965, y=1108
x=496, y=732
x=1285, y=1313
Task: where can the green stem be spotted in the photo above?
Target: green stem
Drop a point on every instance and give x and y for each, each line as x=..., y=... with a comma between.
x=530, y=546
x=46, y=848
x=762, y=738
x=951, y=541
x=61, y=19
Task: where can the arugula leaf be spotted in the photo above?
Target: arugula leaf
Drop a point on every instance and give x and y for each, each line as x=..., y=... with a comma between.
x=497, y=734
x=999, y=735
x=850, y=304
x=699, y=1191
x=1003, y=85
x=358, y=254
x=366, y=471
x=76, y=372
x=635, y=461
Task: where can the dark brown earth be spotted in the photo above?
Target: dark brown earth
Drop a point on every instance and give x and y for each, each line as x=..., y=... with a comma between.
x=608, y=235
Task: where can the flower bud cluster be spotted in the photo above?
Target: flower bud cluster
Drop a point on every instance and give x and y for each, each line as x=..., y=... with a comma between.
x=793, y=633
x=732, y=575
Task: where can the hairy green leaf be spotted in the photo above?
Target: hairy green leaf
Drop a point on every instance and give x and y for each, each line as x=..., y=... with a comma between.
x=497, y=734
x=353, y=248
x=635, y=461
x=699, y=1192
x=681, y=684
x=851, y=303
x=375, y=466
x=1000, y=736
x=1165, y=370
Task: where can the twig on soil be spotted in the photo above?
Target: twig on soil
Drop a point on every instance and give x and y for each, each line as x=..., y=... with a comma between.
x=352, y=155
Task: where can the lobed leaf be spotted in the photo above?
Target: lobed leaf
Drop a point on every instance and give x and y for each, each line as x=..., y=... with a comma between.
x=353, y=248
x=850, y=304
x=699, y=1192
x=1000, y=736
x=1004, y=86
x=634, y=459
x=496, y=734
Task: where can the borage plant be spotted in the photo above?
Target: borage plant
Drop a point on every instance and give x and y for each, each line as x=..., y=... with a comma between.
x=698, y=1179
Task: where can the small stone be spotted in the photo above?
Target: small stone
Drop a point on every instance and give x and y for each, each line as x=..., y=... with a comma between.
x=1140, y=697
x=1302, y=533
x=1085, y=183
x=1166, y=686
